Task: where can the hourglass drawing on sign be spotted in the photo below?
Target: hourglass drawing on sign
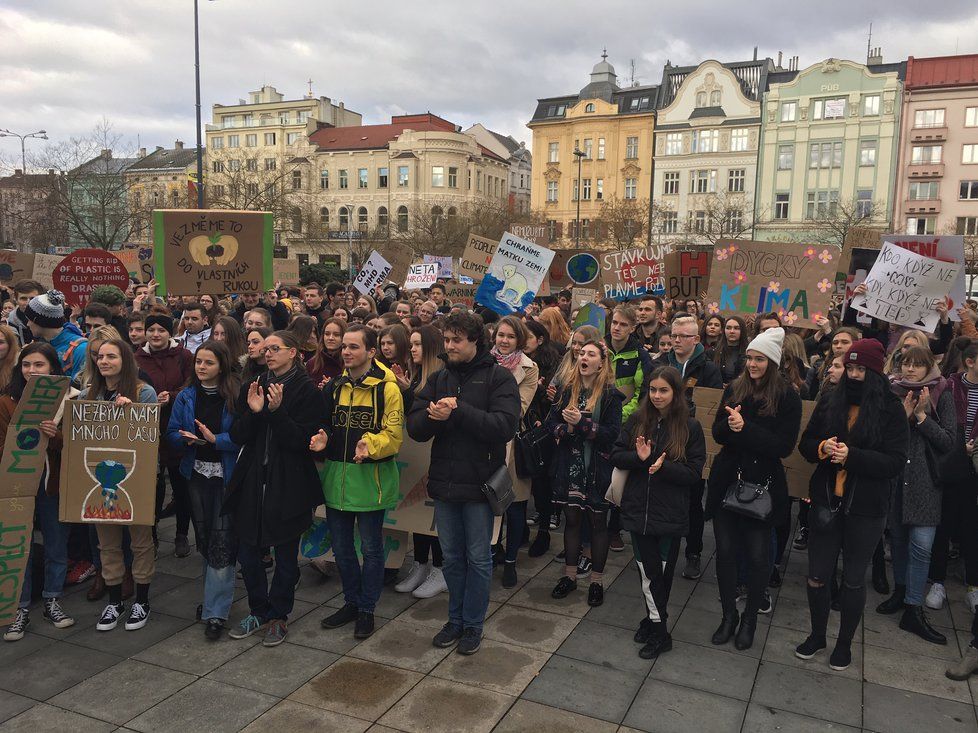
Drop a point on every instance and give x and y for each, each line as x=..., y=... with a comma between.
x=108, y=500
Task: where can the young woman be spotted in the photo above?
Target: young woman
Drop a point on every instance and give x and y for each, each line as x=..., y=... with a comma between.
x=510, y=340
x=350, y=300
x=342, y=313
x=839, y=344
x=916, y=509
x=663, y=449
x=199, y=425
x=96, y=337
x=730, y=354
x=304, y=328
x=395, y=354
x=711, y=334
x=253, y=363
x=585, y=423
x=665, y=345
x=9, y=348
x=39, y=358
x=367, y=303
x=228, y=331
x=116, y=379
x=553, y=320
x=328, y=362
x=909, y=338
x=858, y=438
x=275, y=484
x=794, y=364
x=756, y=426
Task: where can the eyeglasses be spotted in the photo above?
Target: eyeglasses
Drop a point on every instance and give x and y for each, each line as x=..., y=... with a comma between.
x=684, y=335
x=273, y=349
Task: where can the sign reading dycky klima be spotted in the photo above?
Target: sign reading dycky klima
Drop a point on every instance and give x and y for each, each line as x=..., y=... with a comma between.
x=24, y=450
x=108, y=466
x=212, y=251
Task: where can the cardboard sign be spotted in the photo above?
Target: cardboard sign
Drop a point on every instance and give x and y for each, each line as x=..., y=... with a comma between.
x=476, y=257
x=108, y=467
x=44, y=266
x=212, y=251
x=573, y=268
x=285, y=271
x=78, y=274
x=797, y=470
x=24, y=450
x=863, y=237
x=860, y=262
x=400, y=256
x=514, y=276
x=375, y=272
x=536, y=233
x=15, y=266
x=444, y=264
x=420, y=276
x=464, y=294
x=16, y=532
x=633, y=272
x=796, y=281
x=949, y=248
x=687, y=274
x=317, y=542
x=580, y=296
x=903, y=287
x=591, y=314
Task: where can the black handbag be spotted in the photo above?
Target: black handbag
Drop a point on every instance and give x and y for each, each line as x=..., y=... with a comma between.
x=498, y=490
x=534, y=447
x=749, y=499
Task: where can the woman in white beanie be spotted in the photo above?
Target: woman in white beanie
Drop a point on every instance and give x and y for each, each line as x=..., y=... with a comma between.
x=757, y=426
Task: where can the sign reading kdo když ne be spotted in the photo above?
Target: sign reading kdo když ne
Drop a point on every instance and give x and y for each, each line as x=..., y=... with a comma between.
x=212, y=251
x=24, y=450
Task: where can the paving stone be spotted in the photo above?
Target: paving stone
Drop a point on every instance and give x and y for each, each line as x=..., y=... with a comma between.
x=183, y=600
x=888, y=634
x=11, y=705
x=276, y=671
x=124, y=643
x=794, y=614
x=499, y=667
x=764, y=719
x=585, y=688
x=708, y=669
x=610, y=646
x=899, y=711
x=53, y=668
x=43, y=717
x=293, y=716
x=696, y=626
x=391, y=604
x=780, y=648
x=440, y=706
x=402, y=644
x=185, y=567
x=536, y=594
x=526, y=627
x=806, y=691
x=531, y=716
x=357, y=687
x=188, y=651
x=619, y=610
x=32, y=642
x=666, y=708
x=308, y=631
x=204, y=705
x=628, y=583
x=433, y=612
x=912, y=672
x=316, y=588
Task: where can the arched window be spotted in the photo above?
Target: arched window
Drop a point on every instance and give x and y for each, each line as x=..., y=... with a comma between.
x=402, y=218
x=382, y=219
x=437, y=217
x=324, y=216
x=362, y=217
x=589, y=107
x=452, y=213
x=296, y=215
x=175, y=198
x=715, y=98
x=700, y=99
x=344, y=218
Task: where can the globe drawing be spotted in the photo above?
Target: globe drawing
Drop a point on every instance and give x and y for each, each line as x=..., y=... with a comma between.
x=582, y=268
x=28, y=439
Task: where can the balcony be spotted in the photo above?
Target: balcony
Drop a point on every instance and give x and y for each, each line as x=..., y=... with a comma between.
x=917, y=171
x=922, y=206
x=928, y=134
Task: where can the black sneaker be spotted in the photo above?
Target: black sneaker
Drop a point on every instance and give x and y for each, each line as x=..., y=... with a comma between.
x=534, y=520
x=801, y=539
x=138, y=616
x=555, y=522
x=110, y=617
x=766, y=605
x=214, y=629
x=692, y=571
x=658, y=644
x=644, y=632
x=16, y=630
x=559, y=557
x=365, y=625
x=470, y=642
x=595, y=594
x=841, y=657
x=810, y=647
x=509, y=575
x=448, y=636
x=345, y=615
x=584, y=567
x=564, y=586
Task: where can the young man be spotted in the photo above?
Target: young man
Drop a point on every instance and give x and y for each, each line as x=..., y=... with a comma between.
x=312, y=298
x=196, y=329
x=278, y=311
x=115, y=300
x=95, y=315
x=437, y=294
x=335, y=292
x=648, y=312
x=49, y=322
x=564, y=303
x=245, y=303
x=17, y=318
x=362, y=436
x=137, y=330
x=471, y=409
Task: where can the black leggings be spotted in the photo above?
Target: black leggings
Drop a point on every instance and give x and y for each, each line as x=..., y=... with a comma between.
x=657, y=557
x=959, y=515
x=515, y=529
x=543, y=499
x=423, y=543
x=598, y=522
x=750, y=539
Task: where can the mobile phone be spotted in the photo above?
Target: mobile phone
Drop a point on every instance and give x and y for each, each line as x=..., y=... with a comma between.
x=585, y=415
x=200, y=441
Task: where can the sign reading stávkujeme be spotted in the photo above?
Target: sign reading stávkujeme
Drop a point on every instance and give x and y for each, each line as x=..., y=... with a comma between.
x=24, y=450
x=374, y=272
x=108, y=464
x=634, y=272
x=213, y=251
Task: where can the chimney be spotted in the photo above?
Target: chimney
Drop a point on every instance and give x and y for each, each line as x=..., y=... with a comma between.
x=178, y=144
x=875, y=56
x=158, y=148
x=50, y=171
x=142, y=152
x=18, y=172
x=779, y=59
x=755, y=53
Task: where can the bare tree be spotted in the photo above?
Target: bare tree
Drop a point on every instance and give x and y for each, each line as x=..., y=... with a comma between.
x=832, y=221
x=30, y=217
x=715, y=216
x=622, y=223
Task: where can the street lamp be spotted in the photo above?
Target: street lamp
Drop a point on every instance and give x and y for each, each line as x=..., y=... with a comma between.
x=579, y=154
x=200, y=145
x=40, y=135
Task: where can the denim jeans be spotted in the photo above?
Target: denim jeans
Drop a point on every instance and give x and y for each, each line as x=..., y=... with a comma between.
x=465, y=531
x=911, y=546
x=55, y=550
x=361, y=585
x=268, y=603
x=216, y=542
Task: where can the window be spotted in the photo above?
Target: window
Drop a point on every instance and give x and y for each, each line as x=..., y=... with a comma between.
x=235, y=165
x=786, y=157
x=969, y=190
x=217, y=166
x=344, y=218
x=219, y=191
x=829, y=109
x=382, y=175
x=700, y=99
x=967, y=225
x=296, y=216
x=291, y=138
x=269, y=138
x=781, y=201
x=789, y=111
x=735, y=180
x=437, y=175
x=735, y=221
x=921, y=224
x=234, y=141
x=825, y=155
x=251, y=141
x=574, y=190
x=715, y=98
x=303, y=259
x=871, y=104
x=324, y=217
x=674, y=143
x=821, y=203
x=296, y=180
x=252, y=165
x=402, y=219
x=589, y=107
x=251, y=189
x=600, y=148
x=586, y=186
x=928, y=118
x=703, y=181
x=599, y=190
x=302, y=116
x=585, y=228
x=587, y=148
x=383, y=220
x=402, y=176
x=923, y=190
x=453, y=177
x=551, y=191
x=361, y=217
x=324, y=180
x=217, y=143
x=864, y=204
x=697, y=221
x=670, y=222
x=925, y=154
x=362, y=177
x=670, y=182
x=247, y=120
x=971, y=117
x=551, y=230
x=705, y=141
x=969, y=154
x=270, y=164
x=228, y=121
x=344, y=179
x=556, y=110
x=553, y=151
x=867, y=152
x=739, y=139
x=631, y=147
x=631, y=188
x=478, y=180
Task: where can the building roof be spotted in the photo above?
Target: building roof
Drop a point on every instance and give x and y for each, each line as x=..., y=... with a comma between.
x=785, y=77
x=166, y=159
x=19, y=180
x=105, y=164
x=630, y=100
x=752, y=76
x=707, y=112
x=942, y=71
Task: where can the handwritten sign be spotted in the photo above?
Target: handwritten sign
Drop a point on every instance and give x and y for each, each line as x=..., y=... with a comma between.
x=285, y=271
x=16, y=531
x=949, y=248
x=796, y=281
x=444, y=264
x=687, y=274
x=78, y=274
x=580, y=296
x=536, y=233
x=24, y=450
x=517, y=269
x=15, y=265
x=422, y=275
x=375, y=272
x=400, y=256
x=464, y=294
x=476, y=257
x=634, y=272
x=903, y=287
x=44, y=266
x=573, y=268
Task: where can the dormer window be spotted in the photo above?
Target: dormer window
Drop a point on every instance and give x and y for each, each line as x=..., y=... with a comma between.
x=715, y=98
x=589, y=107
x=700, y=99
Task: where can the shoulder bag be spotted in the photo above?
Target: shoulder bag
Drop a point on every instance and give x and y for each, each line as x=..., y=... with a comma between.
x=749, y=499
x=498, y=490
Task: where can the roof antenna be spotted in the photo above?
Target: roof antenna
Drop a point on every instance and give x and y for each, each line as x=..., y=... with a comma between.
x=869, y=42
x=634, y=81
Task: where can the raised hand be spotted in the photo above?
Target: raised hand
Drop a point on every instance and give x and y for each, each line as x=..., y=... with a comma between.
x=658, y=463
x=643, y=447
x=361, y=452
x=256, y=397
x=205, y=432
x=318, y=441
x=734, y=419
x=275, y=392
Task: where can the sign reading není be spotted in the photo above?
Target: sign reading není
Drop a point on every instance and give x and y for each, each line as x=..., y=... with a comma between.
x=24, y=450
x=108, y=468
x=212, y=251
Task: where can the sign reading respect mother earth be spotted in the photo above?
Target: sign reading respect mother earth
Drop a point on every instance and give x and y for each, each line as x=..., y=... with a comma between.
x=796, y=281
x=24, y=450
x=212, y=251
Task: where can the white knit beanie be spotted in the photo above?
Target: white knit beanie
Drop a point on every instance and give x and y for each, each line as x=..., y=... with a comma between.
x=769, y=343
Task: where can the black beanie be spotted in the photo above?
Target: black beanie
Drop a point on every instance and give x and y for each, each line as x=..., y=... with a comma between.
x=158, y=319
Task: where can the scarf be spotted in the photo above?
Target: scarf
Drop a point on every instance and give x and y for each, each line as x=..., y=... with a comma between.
x=934, y=382
x=507, y=361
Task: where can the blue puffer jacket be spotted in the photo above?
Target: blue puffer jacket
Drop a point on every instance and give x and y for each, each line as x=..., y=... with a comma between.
x=182, y=418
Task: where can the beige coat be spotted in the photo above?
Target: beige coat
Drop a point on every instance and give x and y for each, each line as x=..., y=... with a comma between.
x=527, y=375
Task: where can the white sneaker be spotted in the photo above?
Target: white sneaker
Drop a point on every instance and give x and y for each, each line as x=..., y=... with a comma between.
x=936, y=597
x=110, y=617
x=138, y=616
x=432, y=586
x=415, y=578
x=972, y=598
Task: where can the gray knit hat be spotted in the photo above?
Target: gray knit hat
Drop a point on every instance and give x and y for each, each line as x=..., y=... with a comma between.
x=47, y=309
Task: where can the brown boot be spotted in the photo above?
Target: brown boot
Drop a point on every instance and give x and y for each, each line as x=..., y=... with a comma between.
x=128, y=586
x=98, y=589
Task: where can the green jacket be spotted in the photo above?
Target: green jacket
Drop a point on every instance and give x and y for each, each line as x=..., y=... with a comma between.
x=632, y=365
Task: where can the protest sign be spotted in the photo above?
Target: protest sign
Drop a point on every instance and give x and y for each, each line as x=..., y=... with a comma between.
x=796, y=281
x=444, y=264
x=949, y=248
x=212, y=251
x=590, y=314
x=860, y=262
x=536, y=233
x=24, y=450
x=400, y=256
x=903, y=287
x=863, y=237
x=44, y=266
x=108, y=466
x=422, y=275
x=476, y=257
x=515, y=273
x=572, y=268
x=633, y=272
x=687, y=273
x=15, y=265
x=580, y=296
x=374, y=272
x=317, y=542
x=457, y=293
x=285, y=271
x=16, y=532
x=129, y=257
x=78, y=274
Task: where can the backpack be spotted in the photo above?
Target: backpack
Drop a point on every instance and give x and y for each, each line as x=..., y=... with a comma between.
x=67, y=362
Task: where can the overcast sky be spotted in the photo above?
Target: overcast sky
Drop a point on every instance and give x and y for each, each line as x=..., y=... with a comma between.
x=66, y=64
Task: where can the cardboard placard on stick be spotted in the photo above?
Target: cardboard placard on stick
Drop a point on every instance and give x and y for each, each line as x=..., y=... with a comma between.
x=400, y=256
x=633, y=272
x=108, y=467
x=16, y=531
x=285, y=271
x=15, y=266
x=422, y=275
x=476, y=257
x=687, y=274
x=464, y=294
x=78, y=274
x=212, y=251
x=24, y=450
x=375, y=272
x=572, y=268
x=517, y=269
x=44, y=266
x=949, y=248
x=580, y=296
x=444, y=264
